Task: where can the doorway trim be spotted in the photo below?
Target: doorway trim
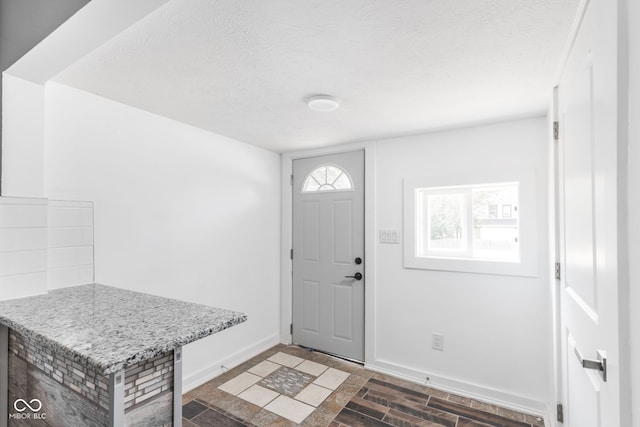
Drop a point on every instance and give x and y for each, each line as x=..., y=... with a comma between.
x=624, y=310
x=286, y=265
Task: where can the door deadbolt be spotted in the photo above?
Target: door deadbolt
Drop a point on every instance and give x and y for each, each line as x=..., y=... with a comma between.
x=358, y=261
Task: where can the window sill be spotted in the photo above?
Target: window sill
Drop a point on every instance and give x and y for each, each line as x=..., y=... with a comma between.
x=466, y=265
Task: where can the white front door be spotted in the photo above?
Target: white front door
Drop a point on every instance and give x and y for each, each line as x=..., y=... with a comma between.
x=328, y=253
x=588, y=223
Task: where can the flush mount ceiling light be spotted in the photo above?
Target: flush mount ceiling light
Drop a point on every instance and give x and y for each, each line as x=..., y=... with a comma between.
x=323, y=103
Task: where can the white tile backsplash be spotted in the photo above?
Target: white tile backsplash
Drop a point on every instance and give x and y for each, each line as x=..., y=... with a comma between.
x=70, y=234
x=70, y=276
x=22, y=239
x=70, y=203
x=70, y=216
x=44, y=244
x=16, y=215
x=70, y=256
x=22, y=285
x=63, y=237
x=22, y=262
x=23, y=247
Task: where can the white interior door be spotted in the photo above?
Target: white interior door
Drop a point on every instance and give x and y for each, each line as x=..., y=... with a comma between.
x=588, y=223
x=328, y=246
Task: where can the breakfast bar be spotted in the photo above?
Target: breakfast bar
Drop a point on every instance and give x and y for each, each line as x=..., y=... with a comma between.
x=96, y=355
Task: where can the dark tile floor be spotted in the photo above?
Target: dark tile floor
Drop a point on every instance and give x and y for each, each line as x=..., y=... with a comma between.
x=365, y=398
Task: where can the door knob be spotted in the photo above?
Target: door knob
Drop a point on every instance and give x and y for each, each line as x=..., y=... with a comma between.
x=357, y=276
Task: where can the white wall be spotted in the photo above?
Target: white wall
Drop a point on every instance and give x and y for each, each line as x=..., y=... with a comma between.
x=179, y=212
x=23, y=82
x=633, y=17
x=497, y=328
x=22, y=137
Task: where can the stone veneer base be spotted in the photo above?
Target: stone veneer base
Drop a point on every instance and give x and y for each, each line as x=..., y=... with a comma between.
x=73, y=394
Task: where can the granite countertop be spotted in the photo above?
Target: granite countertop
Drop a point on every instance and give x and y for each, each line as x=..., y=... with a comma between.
x=109, y=328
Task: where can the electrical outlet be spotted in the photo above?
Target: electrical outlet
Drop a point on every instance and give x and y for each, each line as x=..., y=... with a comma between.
x=437, y=341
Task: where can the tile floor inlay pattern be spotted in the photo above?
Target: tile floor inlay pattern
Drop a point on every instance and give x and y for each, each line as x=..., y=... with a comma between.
x=283, y=385
x=340, y=394
x=287, y=381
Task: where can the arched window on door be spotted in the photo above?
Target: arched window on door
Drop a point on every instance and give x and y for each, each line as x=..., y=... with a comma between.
x=327, y=178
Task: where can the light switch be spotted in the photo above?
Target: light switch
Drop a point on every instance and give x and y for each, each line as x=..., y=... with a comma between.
x=389, y=236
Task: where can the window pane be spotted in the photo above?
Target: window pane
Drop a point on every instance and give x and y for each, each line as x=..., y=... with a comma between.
x=320, y=175
x=310, y=185
x=471, y=223
x=332, y=173
x=442, y=228
x=495, y=222
x=327, y=178
x=342, y=183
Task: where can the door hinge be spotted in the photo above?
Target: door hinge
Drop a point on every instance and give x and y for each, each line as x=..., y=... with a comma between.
x=557, y=271
x=291, y=180
x=291, y=253
x=560, y=412
x=556, y=130
x=291, y=329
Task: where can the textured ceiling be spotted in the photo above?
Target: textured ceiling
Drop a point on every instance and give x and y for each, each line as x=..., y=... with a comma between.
x=243, y=68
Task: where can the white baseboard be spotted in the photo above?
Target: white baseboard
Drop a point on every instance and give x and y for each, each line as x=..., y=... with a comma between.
x=461, y=388
x=214, y=369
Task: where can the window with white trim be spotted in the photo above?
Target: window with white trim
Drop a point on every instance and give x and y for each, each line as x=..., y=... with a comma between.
x=471, y=225
x=478, y=222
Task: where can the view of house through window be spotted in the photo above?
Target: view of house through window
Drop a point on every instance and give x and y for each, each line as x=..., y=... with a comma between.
x=478, y=222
